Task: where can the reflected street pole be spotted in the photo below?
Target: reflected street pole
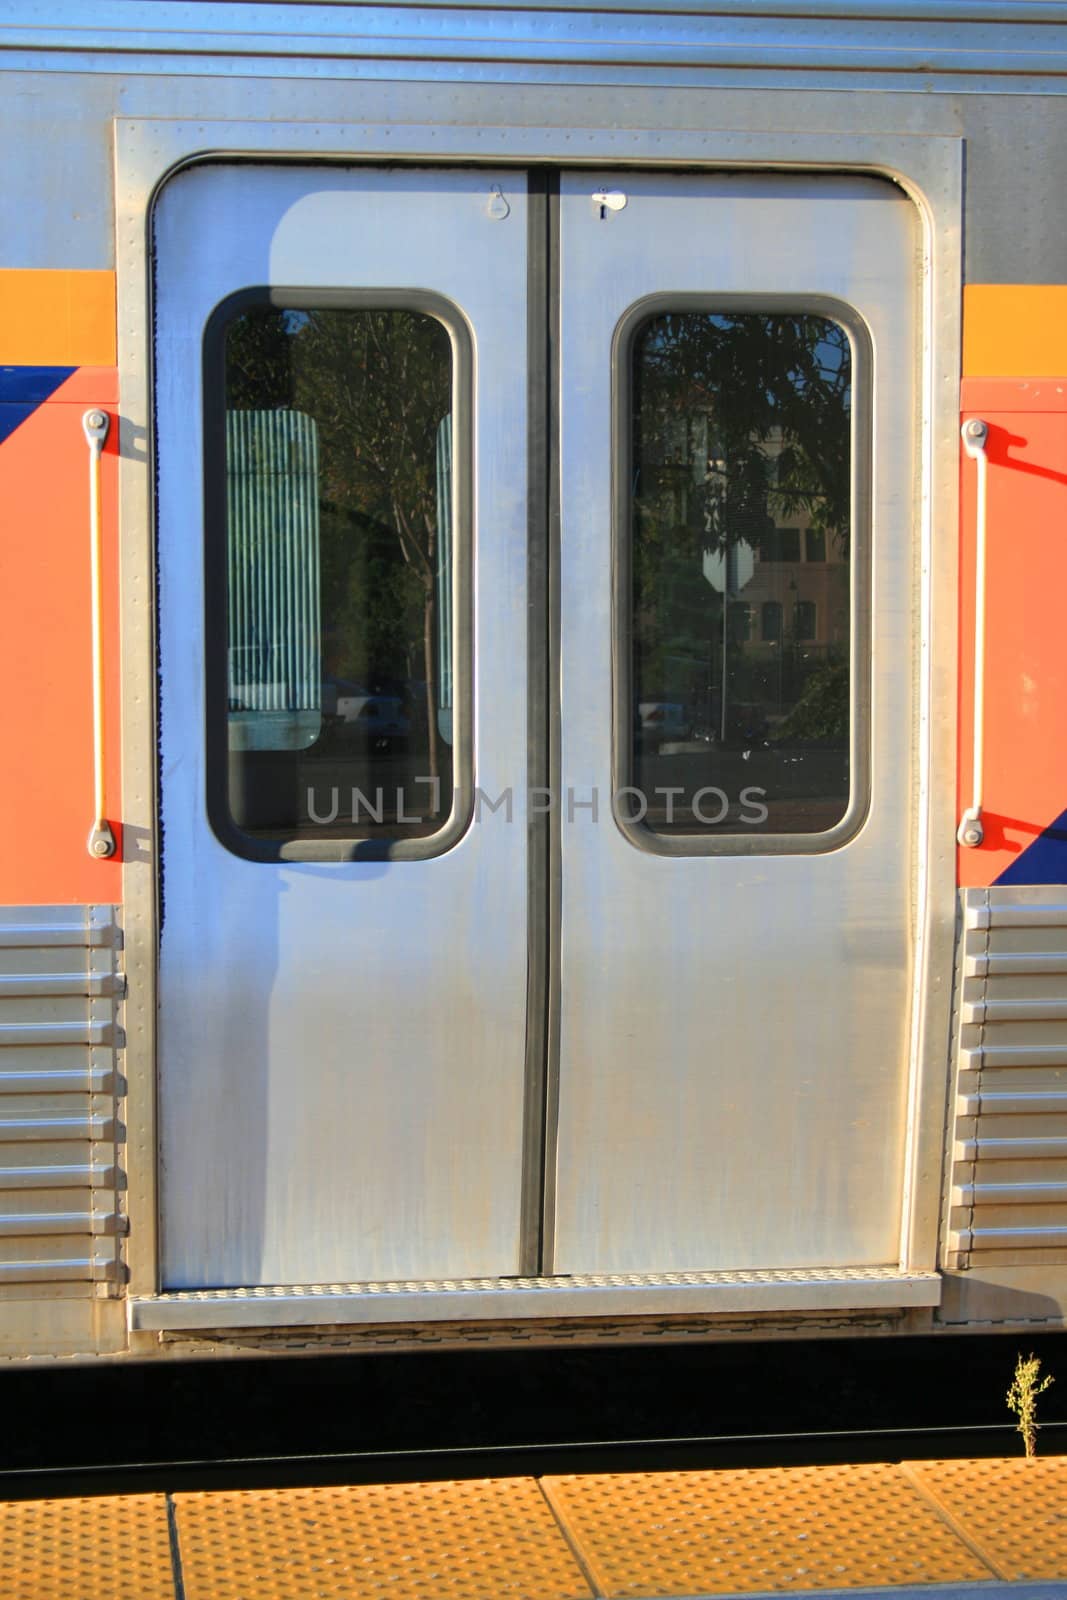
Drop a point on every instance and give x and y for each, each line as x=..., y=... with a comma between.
x=729, y=587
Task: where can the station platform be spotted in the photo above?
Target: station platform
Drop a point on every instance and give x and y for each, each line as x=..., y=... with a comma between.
x=985, y=1527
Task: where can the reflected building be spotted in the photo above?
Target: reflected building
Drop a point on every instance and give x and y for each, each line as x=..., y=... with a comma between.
x=741, y=547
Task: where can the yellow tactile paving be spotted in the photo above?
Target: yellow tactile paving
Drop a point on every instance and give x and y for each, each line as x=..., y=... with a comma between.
x=634, y=1535
x=116, y=1547
x=1014, y=1512
x=450, y=1541
x=693, y=1533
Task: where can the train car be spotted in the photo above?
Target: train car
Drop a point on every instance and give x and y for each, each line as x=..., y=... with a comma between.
x=535, y=797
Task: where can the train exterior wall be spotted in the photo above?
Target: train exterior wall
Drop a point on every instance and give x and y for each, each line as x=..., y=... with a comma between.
x=965, y=105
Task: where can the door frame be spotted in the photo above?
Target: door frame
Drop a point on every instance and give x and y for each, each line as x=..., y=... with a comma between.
x=928, y=166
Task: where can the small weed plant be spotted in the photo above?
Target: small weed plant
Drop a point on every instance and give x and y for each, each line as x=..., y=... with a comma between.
x=1022, y=1398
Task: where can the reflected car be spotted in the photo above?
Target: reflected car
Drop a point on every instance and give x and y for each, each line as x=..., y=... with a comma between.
x=377, y=720
x=746, y=724
x=661, y=722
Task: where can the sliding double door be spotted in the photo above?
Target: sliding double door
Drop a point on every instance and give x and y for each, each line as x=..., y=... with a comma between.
x=536, y=722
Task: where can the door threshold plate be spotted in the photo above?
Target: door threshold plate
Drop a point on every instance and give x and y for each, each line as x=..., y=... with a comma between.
x=508, y=1299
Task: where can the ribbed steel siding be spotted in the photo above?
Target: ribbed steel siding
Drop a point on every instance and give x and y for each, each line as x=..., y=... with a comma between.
x=272, y=499
x=1009, y=1178
x=60, y=994
x=963, y=37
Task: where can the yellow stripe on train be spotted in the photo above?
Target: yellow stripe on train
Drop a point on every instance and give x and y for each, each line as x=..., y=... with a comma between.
x=1015, y=330
x=57, y=318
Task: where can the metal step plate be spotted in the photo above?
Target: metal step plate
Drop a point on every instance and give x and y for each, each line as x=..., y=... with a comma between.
x=455, y=1300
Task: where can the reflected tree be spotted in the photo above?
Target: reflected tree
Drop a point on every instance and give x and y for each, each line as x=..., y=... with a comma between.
x=766, y=396
x=378, y=383
x=740, y=423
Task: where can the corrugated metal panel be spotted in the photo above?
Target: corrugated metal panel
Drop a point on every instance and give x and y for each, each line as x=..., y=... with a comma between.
x=917, y=10
x=948, y=36
x=1009, y=1177
x=272, y=483
x=61, y=989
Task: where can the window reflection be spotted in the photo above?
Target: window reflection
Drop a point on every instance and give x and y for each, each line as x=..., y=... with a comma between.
x=741, y=589
x=772, y=621
x=338, y=572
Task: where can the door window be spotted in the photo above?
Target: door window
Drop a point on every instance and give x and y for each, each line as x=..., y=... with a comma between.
x=334, y=493
x=742, y=699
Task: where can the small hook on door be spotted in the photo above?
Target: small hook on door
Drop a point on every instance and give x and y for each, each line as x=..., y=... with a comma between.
x=498, y=207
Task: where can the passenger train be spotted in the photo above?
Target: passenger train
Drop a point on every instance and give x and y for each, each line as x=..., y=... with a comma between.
x=534, y=664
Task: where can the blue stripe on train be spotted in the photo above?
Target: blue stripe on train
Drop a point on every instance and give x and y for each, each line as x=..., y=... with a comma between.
x=1044, y=861
x=22, y=389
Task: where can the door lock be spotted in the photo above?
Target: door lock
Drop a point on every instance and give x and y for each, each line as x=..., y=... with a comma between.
x=609, y=200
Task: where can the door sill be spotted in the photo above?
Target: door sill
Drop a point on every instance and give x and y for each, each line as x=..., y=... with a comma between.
x=508, y=1299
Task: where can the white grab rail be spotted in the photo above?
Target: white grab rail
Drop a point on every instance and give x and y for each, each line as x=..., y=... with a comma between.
x=101, y=840
x=971, y=832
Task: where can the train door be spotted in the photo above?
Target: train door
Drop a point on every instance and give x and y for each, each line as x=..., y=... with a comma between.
x=738, y=662
x=343, y=955
x=705, y=811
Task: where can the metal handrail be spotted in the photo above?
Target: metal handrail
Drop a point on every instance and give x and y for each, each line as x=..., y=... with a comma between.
x=101, y=840
x=971, y=832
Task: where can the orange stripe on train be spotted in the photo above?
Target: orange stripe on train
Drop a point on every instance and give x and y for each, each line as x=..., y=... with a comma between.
x=45, y=663
x=1015, y=377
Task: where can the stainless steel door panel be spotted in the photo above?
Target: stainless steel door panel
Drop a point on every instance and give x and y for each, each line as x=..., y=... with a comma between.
x=734, y=1029
x=342, y=1043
